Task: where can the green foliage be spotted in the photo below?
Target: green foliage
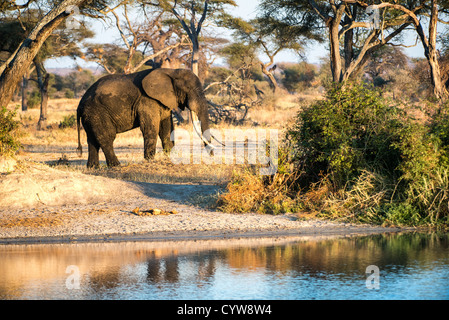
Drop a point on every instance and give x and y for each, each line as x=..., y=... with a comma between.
x=68, y=122
x=239, y=55
x=34, y=99
x=8, y=126
x=299, y=76
x=350, y=130
x=402, y=214
x=377, y=163
x=72, y=85
x=356, y=156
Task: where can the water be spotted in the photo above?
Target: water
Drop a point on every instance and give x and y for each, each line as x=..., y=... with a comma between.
x=410, y=266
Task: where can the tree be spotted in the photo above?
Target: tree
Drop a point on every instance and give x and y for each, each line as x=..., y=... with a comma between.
x=384, y=62
x=18, y=64
x=429, y=8
x=352, y=37
x=187, y=12
x=142, y=43
x=61, y=42
x=298, y=76
x=268, y=38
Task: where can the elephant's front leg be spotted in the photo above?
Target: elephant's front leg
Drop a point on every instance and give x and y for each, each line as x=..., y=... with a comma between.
x=150, y=129
x=165, y=130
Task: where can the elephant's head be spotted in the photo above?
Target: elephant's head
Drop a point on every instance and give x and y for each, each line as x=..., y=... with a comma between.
x=180, y=88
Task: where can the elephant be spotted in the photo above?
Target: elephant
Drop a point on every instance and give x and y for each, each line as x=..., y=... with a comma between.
x=145, y=99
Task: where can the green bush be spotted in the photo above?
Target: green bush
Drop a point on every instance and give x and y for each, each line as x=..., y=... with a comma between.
x=349, y=131
x=357, y=156
x=8, y=140
x=378, y=163
x=298, y=77
x=34, y=99
x=68, y=122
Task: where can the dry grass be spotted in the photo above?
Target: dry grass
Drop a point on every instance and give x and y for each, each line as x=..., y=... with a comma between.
x=250, y=192
x=32, y=222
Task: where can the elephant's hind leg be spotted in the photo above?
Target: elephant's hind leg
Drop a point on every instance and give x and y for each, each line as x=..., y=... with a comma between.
x=105, y=136
x=106, y=144
x=93, y=158
x=111, y=158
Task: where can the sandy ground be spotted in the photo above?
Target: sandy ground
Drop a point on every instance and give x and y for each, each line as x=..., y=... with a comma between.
x=39, y=203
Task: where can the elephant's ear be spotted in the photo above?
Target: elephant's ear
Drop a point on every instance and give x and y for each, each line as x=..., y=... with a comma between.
x=158, y=85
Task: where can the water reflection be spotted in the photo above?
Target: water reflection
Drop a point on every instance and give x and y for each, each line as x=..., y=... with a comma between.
x=412, y=266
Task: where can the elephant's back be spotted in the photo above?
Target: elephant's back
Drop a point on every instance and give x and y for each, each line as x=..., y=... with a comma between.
x=111, y=89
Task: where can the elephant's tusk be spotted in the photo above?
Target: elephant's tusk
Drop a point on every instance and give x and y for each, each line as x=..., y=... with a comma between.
x=218, y=140
x=194, y=120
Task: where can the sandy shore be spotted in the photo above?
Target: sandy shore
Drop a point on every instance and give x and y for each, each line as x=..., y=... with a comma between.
x=42, y=204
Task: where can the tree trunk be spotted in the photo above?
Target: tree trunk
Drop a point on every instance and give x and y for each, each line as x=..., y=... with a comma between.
x=348, y=40
x=432, y=55
x=195, y=55
x=42, y=123
x=335, y=50
x=271, y=78
x=42, y=81
x=24, y=93
x=430, y=49
x=17, y=65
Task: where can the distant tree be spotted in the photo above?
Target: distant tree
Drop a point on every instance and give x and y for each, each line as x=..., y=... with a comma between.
x=243, y=58
x=298, y=76
x=382, y=64
x=79, y=81
x=415, y=14
x=266, y=38
x=192, y=15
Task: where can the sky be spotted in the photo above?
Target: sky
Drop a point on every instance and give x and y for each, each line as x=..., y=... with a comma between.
x=246, y=9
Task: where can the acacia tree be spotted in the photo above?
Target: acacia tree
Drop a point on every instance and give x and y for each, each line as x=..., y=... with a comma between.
x=12, y=70
x=153, y=39
x=269, y=40
x=349, y=29
x=428, y=9
x=192, y=15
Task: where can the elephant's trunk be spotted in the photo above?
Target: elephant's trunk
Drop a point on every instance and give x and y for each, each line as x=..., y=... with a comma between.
x=199, y=112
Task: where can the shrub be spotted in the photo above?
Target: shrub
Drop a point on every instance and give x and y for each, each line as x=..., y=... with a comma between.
x=34, y=100
x=354, y=155
x=299, y=76
x=68, y=122
x=381, y=165
x=250, y=192
x=8, y=126
x=349, y=131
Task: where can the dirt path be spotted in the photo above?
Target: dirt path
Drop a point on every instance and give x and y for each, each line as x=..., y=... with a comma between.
x=40, y=204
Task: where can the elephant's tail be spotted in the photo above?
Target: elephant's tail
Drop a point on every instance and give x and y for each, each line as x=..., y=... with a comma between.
x=78, y=128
